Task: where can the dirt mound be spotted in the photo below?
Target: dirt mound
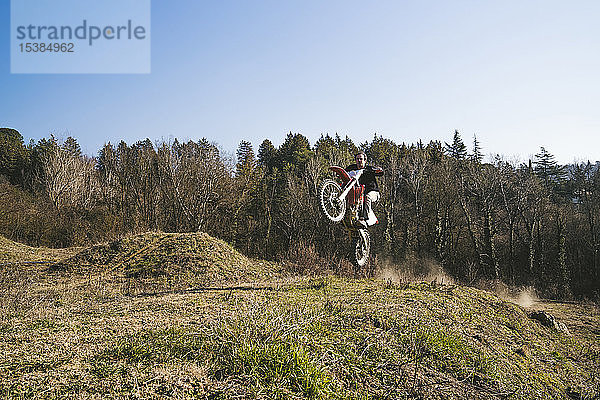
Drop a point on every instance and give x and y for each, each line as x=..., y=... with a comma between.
x=13, y=253
x=152, y=255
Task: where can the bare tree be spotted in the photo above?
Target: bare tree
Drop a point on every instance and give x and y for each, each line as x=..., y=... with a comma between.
x=199, y=180
x=70, y=180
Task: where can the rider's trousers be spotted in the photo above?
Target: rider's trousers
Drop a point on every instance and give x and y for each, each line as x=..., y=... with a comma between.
x=371, y=197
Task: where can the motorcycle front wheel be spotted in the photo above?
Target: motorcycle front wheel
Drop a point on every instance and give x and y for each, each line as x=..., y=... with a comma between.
x=361, y=248
x=333, y=208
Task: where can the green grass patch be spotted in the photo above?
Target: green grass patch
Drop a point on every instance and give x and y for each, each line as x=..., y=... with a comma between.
x=154, y=346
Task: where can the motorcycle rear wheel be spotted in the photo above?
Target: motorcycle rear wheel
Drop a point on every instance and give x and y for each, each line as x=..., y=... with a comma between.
x=361, y=248
x=333, y=208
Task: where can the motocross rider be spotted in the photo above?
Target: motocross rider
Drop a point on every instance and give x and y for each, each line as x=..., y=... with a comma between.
x=371, y=188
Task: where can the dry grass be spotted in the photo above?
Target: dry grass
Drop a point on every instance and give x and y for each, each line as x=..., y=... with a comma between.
x=159, y=261
x=90, y=334
x=13, y=252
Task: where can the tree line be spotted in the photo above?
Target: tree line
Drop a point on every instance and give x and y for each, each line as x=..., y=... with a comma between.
x=528, y=223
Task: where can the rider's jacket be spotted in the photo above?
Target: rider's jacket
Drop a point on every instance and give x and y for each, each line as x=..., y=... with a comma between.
x=368, y=177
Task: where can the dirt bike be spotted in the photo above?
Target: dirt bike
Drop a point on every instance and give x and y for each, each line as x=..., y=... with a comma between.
x=344, y=203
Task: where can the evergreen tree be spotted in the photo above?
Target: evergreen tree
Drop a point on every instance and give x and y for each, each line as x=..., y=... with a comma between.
x=13, y=155
x=435, y=151
x=457, y=149
x=246, y=161
x=106, y=160
x=39, y=154
x=326, y=147
x=476, y=156
x=381, y=151
x=72, y=147
x=335, y=151
x=346, y=146
x=294, y=153
x=267, y=155
x=548, y=170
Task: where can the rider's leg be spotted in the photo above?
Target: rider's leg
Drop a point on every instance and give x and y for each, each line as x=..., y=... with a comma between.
x=371, y=197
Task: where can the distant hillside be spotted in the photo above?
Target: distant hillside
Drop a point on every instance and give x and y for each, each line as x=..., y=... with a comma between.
x=251, y=332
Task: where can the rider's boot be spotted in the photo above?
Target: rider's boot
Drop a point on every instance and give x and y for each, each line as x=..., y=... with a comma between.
x=372, y=220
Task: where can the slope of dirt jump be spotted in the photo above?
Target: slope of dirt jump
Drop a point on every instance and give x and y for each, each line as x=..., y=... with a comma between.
x=197, y=256
x=13, y=252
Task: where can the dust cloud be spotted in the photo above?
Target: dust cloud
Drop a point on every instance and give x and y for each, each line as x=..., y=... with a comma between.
x=526, y=298
x=416, y=269
x=412, y=269
x=523, y=296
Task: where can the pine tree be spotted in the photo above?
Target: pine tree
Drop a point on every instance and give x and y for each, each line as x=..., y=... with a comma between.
x=476, y=156
x=548, y=170
x=246, y=161
x=435, y=151
x=267, y=155
x=72, y=147
x=457, y=149
x=381, y=151
x=294, y=153
x=13, y=155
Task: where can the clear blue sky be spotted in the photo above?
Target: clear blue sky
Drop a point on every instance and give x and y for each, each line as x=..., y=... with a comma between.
x=518, y=74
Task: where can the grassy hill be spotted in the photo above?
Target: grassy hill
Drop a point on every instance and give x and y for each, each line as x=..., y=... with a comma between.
x=90, y=327
x=187, y=258
x=13, y=252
